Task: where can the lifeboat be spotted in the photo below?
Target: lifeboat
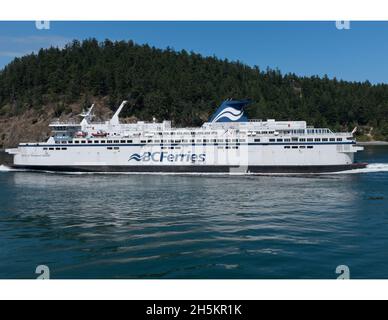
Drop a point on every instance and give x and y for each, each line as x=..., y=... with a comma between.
x=99, y=134
x=81, y=134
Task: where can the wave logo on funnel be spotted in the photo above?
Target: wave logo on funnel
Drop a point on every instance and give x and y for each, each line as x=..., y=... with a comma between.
x=231, y=111
x=231, y=114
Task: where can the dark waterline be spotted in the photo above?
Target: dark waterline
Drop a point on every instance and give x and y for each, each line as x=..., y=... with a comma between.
x=155, y=226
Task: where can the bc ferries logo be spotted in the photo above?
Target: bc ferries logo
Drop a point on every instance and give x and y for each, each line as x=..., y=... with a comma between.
x=231, y=111
x=168, y=157
x=136, y=157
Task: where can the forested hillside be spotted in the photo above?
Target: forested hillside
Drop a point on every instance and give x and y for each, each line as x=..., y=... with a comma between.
x=182, y=86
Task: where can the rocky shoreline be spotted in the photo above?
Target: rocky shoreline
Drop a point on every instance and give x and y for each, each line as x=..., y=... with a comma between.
x=373, y=143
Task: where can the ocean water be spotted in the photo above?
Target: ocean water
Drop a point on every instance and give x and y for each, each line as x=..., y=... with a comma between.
x=189, y=226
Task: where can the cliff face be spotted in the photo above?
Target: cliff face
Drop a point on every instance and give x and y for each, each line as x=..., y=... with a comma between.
x=33, y=126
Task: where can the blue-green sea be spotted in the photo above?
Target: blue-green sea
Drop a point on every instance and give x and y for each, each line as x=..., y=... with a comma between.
x=104, y=226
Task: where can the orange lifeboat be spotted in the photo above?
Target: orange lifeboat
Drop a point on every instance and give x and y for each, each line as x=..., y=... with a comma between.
x=81, y=134
x=99, y=134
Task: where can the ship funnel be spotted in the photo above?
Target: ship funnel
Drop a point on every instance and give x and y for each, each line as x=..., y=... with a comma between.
x=231, y=111
x=115, y=119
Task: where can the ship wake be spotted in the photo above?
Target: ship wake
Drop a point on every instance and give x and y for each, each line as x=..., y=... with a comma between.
x=371, y=168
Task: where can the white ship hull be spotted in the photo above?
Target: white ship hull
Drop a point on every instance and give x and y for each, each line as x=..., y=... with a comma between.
x=252, y=158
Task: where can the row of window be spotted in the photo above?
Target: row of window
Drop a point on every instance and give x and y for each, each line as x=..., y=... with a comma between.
x=151, y=141
x=304, y=140
x=51, y=149
x=298, y=147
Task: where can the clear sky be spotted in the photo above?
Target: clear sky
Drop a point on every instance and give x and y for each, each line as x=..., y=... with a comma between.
x=305, y=48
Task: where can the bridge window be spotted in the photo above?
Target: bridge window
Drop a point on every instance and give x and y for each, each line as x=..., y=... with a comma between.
x=339, y=139
x=257, y=140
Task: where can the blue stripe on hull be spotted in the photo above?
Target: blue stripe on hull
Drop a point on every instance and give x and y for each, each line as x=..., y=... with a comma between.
x=196, y=169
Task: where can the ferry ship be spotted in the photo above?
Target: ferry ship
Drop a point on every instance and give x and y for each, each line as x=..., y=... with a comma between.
x=228, y=143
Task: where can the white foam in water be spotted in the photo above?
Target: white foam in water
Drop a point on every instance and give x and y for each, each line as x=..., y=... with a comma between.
x=371, y=168
x=4, y=168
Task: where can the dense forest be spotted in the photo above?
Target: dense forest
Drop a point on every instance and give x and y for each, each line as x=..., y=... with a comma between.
x=183, y=86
